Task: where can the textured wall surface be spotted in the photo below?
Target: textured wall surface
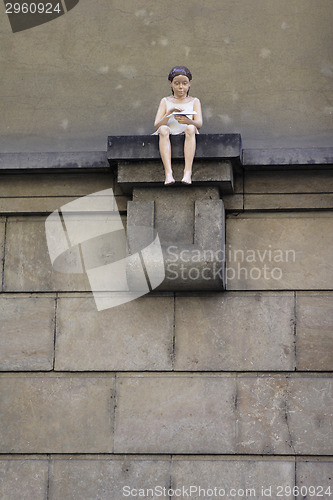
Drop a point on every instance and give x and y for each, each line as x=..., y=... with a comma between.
x=229, y=390
x=262, y=67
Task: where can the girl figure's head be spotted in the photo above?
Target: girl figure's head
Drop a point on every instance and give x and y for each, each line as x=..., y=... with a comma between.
x=180, y=79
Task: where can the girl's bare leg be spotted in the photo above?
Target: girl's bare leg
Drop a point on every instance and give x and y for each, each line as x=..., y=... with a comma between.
x=189, y=152
x=165, y=152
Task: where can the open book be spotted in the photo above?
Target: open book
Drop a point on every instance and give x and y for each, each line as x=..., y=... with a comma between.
x=184, y=113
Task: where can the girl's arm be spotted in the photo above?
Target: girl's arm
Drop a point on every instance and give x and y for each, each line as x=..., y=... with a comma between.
x=162, y=117
x=197, y=121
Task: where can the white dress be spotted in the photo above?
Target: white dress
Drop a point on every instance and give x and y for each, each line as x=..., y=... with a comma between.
x=174, y=126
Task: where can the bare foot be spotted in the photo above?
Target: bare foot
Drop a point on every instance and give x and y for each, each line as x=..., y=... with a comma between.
x=169, y=180
x=187, y=178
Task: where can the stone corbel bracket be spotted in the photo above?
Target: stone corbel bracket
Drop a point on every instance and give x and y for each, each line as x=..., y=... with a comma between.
x=189, y=220
x=188, y=266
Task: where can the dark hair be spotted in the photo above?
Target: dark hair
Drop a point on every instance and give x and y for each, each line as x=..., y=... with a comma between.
x=179, y=70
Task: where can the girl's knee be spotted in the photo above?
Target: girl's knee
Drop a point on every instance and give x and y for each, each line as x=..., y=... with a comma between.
x=164, y=131
x=190, y=130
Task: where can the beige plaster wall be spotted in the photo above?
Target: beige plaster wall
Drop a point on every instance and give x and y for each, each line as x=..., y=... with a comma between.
x=261, y=67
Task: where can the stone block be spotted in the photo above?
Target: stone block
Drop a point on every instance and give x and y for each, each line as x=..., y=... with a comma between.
x=288, y=201
x=133, y=336
x=314, y=339
x=27, y=263
x=174, y=210
x=314, y=477
x=26, y=332
x=279, y=251
x=175, y=414
x=187, y=221
x=151, y=174
x=23, y=478
x=56, y=413
x=106, y=478
x=289, y=181
x=235, y=331
x=238, y=476
x=178, y=265
x=310, y=414
x=262, y=427
x=200, y=266
x=218, y=172
x=282, y=415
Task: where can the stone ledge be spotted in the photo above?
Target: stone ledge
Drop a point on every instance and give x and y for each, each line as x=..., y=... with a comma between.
x=145, y=147
x=136, y=162
x=82, y=160
x=285, y=157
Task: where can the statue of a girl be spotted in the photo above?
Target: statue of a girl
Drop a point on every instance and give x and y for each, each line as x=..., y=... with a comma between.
x=178, y=114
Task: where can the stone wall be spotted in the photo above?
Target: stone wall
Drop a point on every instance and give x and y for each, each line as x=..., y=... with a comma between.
x=231, y=390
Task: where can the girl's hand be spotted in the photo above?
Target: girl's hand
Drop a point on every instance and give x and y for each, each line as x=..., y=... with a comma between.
x=175, y=108
x=183, y=119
